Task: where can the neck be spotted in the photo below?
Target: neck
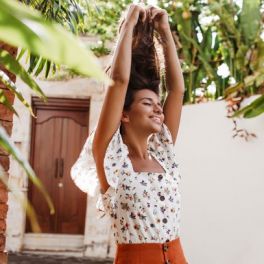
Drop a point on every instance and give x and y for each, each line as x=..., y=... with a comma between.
x=136, y=142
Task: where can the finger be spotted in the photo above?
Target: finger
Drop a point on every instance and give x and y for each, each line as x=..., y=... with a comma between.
x=155, y=12
x=143, y=14
x=149, y=9
x=152, y=9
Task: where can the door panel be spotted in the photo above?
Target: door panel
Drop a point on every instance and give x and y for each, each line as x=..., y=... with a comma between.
x=72, y=217
x=45, y=153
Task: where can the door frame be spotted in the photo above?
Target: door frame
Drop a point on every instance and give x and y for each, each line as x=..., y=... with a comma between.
x=40, y=241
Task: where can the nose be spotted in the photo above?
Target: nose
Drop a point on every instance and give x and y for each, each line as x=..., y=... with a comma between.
x=158, y=109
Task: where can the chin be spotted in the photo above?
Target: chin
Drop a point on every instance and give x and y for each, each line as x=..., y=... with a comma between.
x=156, y=128
x=155, y=124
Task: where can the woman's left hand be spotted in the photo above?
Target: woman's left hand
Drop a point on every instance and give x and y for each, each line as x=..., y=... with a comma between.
x=160, y=19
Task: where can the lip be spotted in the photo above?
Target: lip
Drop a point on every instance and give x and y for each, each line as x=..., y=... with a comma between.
x=156, y=119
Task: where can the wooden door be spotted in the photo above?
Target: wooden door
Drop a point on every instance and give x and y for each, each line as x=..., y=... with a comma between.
x=58, y=135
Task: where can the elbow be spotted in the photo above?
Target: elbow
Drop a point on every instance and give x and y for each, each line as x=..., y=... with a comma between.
x=121, y=83
x=97, y=149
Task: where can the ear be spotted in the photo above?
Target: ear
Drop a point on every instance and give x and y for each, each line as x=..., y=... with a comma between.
x=125, y=117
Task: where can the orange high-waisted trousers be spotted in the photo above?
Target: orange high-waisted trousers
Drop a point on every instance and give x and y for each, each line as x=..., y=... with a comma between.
x=150, y=253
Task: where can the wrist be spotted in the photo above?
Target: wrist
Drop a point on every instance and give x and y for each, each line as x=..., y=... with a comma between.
x=165, y=36
x=128, y=25
x=164, y=31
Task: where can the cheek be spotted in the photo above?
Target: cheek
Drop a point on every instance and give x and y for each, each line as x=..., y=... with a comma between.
x=141, y=110
x=139, y=114
x=162, y=117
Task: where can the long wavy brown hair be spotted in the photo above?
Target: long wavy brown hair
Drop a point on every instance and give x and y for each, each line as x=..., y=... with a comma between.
x=145, y=69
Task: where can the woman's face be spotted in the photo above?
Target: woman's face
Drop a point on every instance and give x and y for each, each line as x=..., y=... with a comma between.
x=145, y=112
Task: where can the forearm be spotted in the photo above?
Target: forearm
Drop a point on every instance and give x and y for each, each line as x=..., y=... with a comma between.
x=174, y=76
x=121, y=64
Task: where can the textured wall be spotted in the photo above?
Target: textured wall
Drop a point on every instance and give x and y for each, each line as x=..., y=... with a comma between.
x=6, y=121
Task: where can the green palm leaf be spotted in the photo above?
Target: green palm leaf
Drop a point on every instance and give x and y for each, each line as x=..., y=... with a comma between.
x=6, y=103
x=22, y=200
x=12, y=65
x=12, y=87
x=254, y=109
x=250, y=19
x=7, y=145
x=22, y=27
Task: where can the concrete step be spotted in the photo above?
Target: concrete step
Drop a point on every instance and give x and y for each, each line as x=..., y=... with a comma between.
x=26, y=258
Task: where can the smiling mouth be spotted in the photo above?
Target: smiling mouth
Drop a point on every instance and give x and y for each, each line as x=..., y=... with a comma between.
x=156, y=119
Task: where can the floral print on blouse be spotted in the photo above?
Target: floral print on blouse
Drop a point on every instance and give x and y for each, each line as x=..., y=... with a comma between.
x=143, y=206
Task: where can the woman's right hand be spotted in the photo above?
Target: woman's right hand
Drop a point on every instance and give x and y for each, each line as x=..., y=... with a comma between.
x=134, y=13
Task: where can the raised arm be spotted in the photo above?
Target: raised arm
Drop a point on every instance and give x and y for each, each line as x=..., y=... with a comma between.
x=174, y=78
x=111, y=112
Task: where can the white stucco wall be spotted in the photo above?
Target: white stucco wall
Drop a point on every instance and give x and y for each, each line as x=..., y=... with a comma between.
x=222, y=187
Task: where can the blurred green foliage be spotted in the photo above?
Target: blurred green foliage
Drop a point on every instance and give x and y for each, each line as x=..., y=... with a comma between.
x=102, y=21
x=220, y=45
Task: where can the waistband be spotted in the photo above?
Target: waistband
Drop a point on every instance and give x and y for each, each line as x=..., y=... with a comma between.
x=152, y=245
x=169, y=252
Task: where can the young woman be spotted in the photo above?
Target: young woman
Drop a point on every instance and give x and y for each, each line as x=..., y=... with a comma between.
x=132, y=148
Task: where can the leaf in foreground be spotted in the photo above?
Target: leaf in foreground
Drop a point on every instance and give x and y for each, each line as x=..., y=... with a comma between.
x=23, y=27
x=7, y=145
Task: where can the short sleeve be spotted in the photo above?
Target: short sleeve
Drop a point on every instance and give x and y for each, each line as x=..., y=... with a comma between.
x=83, y=172
x=114, y=164
x=85, y=176
x=161, y=145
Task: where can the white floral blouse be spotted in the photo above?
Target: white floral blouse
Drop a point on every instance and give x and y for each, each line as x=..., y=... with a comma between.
x=143, y=206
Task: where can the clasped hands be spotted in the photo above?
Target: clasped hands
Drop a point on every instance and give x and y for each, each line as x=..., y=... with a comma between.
x=159, y=16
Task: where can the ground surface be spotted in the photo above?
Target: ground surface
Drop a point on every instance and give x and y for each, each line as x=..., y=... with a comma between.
x=52, y=259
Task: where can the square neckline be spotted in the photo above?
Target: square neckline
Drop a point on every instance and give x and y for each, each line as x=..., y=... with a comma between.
x=165, y=170
x=148, y=172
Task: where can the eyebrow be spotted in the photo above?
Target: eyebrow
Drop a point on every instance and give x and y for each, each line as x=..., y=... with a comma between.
x=150, y=99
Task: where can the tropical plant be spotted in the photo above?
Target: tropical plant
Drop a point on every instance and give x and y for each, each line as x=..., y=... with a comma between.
x=210, y=36
x=25, y=28
x=68, y=13
x=214, y=35
x=243, y=51
x=101, y=21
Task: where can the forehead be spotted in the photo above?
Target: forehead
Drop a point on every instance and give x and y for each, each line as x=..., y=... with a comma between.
x=146, y=93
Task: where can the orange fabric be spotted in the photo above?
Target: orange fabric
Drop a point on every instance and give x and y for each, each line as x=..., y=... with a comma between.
x=150, y=253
